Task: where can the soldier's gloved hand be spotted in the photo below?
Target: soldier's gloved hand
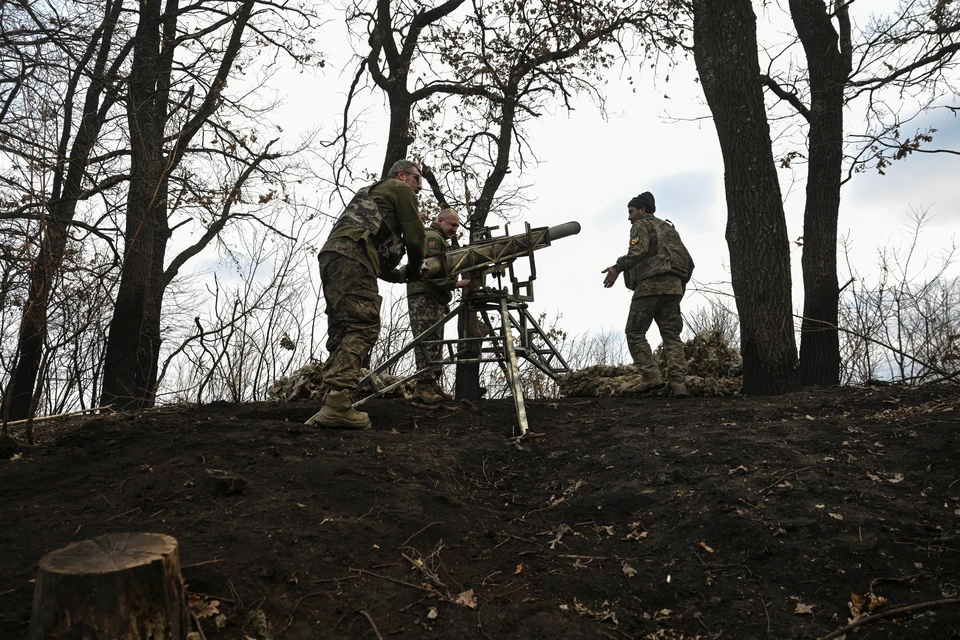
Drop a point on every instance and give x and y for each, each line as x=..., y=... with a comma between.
x=413, y=273
x=394, y=275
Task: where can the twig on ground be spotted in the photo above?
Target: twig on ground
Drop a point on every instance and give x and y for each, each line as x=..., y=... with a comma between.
x=766, y=613
x=62, y=415
x=334, y=579
x=120, y=515
x=198, y=564
x=777, y=481
x=208, y=596
x=406, y=584
x=892, y=612
x=511, y=536
x=297, y=604
x=422, y=566
x=418, y=533
x=372, y=623
x=196, y=623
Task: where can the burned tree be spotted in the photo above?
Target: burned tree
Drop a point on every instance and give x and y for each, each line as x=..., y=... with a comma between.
x=725, y=50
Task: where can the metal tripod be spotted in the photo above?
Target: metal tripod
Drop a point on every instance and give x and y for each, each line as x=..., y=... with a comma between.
x=511, y=332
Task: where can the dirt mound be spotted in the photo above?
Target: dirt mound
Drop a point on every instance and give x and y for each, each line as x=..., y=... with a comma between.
x=649, y=518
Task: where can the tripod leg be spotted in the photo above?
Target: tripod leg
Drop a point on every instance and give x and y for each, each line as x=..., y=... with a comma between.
x=512, y=366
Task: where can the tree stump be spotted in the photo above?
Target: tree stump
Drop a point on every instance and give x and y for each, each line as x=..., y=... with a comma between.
x=120, y=586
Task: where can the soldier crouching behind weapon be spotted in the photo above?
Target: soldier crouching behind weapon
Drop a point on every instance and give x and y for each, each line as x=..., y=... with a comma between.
x=428, y=301
x=657, y=268
x=368, y=240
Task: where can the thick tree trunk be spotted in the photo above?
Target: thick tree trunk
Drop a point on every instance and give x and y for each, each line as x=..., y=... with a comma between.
x=33, y=324
x=725, y=50
x=400, y=134
x=133, y=346
x=124, y=586
x=468, y=374
x=828, y=69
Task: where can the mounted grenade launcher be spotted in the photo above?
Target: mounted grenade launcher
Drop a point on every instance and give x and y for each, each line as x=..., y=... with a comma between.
x=494, y=254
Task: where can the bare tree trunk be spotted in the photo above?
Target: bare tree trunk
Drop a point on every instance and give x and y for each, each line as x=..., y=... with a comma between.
x=133, y=346
x=725, y=50
x=400, y=135
x=468, y=374
x=829, y=66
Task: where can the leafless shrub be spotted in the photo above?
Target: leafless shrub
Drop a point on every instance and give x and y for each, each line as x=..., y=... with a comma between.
x=716, y=312
x=256, y=328
x=902, y=326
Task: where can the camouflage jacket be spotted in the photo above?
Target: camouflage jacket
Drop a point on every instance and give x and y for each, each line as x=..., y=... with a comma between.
x=647, y=266
x=380, y=224
x=440, y=289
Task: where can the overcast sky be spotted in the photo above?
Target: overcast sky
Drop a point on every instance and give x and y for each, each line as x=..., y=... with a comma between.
x=590, y=167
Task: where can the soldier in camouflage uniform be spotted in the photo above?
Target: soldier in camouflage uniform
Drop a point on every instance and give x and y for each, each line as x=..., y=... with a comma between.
x=367, y=242
x=657, y=267
x=428, y=301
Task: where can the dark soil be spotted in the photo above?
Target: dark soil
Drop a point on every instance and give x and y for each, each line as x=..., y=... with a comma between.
x=734, y=518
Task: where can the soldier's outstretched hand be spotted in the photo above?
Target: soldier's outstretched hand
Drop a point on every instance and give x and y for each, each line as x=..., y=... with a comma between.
x=611, y=276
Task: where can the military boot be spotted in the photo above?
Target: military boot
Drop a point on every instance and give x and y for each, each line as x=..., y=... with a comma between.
x=641, y=385
x=338, y=412
x=426, y=393
x=678, y=389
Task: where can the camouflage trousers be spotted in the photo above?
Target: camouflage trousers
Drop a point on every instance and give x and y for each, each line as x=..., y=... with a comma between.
x=425, y=311
x=353, y=318
x=665, y=311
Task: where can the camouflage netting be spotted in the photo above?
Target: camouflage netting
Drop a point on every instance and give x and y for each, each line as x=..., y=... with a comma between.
x=306, y=384
x=714, y=368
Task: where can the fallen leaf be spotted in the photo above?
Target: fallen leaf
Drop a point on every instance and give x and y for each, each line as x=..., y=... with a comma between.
x=809, y=417
x=519, y=569
x=432, y=614
x=737, y=469
x=636, y=535
x=628, y=570
x=897, y=477
x=873, y=477
x=835, y=516
x=819, y=506
x=467, y=599
x=201, y=607
x=706, y=547
x=875, y=602
x=220, y=621
x=856, y=606
x=803, y=609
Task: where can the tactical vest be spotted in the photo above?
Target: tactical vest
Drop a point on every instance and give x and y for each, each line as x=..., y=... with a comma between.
x=669, y=256
x=365, y=213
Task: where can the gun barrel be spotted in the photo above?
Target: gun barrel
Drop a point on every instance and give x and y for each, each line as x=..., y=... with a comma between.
x=496, y=251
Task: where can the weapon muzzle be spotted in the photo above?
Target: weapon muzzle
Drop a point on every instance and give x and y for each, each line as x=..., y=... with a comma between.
x=563, y=230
